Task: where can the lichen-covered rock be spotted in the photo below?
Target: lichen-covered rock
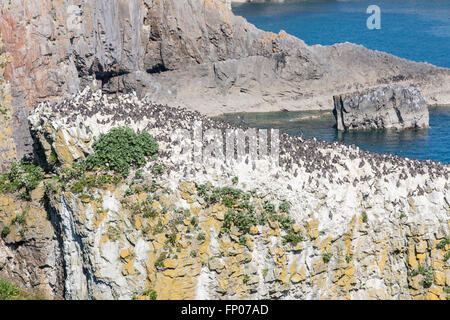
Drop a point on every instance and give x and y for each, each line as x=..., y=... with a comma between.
x=358, y=225
x=385, y=107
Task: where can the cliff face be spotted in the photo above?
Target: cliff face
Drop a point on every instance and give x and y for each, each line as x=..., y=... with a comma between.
x=385, y=107
x=193, y=53
x=321, y=221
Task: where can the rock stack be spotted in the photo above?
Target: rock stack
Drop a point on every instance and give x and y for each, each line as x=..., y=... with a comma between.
x=385, y=107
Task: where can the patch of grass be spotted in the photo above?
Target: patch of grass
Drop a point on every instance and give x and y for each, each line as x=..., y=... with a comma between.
x=327, y=257
x=201, y=237
x=24, y=176
x=159, y=263
x=242, y=240
x=235, y=180
x=269, y=207
x=428, y=274
x=9, y=291
x=151, y=294
x=285, y=206
x=121, y=148
x=292, y=238
x=246, y=279
x=158, y=170
x=194, y=221
x=113, y=233
x=364, y=217
x=20, y=218
x=441, y=245
x=5, y=231
x=158, y=228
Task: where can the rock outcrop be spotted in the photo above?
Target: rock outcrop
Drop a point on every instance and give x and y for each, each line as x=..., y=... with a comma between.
x=195, y=54
x=318, y=221
x=385, y=107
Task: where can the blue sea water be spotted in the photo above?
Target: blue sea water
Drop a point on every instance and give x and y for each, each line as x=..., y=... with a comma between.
x=411, y=29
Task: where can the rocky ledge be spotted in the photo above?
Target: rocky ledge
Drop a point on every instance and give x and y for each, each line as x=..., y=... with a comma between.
x=385, y=107
x=317, y=220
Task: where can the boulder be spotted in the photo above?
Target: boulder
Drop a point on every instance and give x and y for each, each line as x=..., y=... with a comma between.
x=384, y=107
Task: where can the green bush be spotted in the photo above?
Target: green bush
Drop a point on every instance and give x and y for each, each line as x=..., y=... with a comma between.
x=20, y=218
x=428, y=275
x=269, y=207
x=201, y=237
x=120, y=149
x=441, y=245
x=292, y=238
x=285, y=206
x=243, y=220
x=24, y=176
x=327, y=257
x=8, y=291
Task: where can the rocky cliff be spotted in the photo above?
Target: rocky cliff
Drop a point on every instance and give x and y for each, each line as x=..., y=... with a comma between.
x=385, y=107
x=316, y=221
x=194, y=53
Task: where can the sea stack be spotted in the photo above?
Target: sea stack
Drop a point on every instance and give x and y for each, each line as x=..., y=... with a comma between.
x=384, y=107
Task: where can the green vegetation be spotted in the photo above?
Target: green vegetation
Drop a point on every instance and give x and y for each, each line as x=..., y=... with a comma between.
x=151, y=294
x=292, y=238
x=20, y=219
x=5, y=231
x=269, y=207
x=194, y=221
x=244, y=214
x=242, y=240
x=246, y=279
x=201, y=237
x=120, y=149
x=447, y=256
x=428, y=273
x=8, y=291
x=348, y=258
x=159, y=263
x=158, y=170
x=113, y=233
x=235, y=180
x=441, y=245
x=285, y=206
x=364, y=217
x=24, y=177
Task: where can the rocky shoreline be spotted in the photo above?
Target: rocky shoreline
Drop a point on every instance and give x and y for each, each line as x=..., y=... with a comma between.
x=363, y=224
